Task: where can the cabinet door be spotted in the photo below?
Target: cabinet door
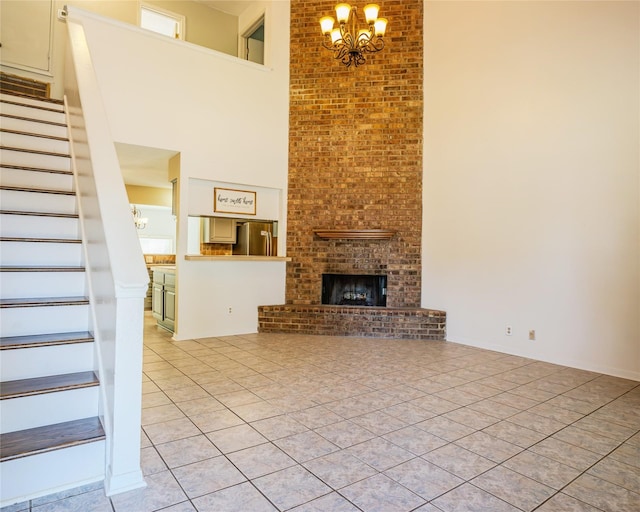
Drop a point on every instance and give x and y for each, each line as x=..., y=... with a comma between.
x=223, y=230
x=170, y=307
x=157, y=301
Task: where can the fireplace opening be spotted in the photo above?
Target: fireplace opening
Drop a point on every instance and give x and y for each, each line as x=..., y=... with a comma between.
x=354, y=290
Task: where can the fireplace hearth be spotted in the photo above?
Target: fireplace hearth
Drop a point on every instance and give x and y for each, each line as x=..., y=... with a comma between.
x=354, y=290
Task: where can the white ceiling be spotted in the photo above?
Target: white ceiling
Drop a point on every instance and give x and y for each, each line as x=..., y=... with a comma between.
x=235, y=7
x=144, y=166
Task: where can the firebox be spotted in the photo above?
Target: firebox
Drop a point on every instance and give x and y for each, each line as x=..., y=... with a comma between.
x=354, y=290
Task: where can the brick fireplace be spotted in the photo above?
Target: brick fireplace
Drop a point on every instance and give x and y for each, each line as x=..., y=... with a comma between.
x=355, y=168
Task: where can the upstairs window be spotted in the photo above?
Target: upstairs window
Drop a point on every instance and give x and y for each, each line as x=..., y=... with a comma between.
x=162, y=21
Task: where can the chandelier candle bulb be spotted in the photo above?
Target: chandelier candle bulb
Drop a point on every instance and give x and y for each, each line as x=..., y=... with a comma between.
x=380, y=26
x=326, y=24
x=342, y=12
x=371, y=13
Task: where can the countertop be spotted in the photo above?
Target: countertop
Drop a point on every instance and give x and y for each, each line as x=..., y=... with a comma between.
x=234, y=257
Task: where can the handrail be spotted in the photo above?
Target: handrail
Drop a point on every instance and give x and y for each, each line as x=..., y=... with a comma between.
x=117, y=278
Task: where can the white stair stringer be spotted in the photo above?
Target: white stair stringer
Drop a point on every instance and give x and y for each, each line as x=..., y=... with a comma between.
x=52, y=438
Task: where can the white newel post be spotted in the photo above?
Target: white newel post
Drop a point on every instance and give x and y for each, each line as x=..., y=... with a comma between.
x=123, y=470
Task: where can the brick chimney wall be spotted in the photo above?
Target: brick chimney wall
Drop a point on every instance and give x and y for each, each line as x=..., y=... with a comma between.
x=355, y=154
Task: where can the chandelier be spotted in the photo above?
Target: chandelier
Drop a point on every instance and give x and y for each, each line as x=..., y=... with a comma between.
x=348, y=42
x=138, y=219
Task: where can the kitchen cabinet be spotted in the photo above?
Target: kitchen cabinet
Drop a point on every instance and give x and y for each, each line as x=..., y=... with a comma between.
x=219, y=230
x=163, y=297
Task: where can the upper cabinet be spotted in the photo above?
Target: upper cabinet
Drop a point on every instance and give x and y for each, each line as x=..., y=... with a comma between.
x=218, y=230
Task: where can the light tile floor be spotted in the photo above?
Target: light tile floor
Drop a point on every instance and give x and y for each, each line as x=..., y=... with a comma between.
x=266, y=422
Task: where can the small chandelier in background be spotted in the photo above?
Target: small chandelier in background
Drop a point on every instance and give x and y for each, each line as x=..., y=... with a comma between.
x=138, y=219
x=348, y=42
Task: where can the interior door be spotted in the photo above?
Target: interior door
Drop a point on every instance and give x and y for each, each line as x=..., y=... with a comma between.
x=25, y=28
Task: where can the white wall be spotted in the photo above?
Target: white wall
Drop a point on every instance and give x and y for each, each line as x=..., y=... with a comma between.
x=160, y=224
x=206, y=106
x=532, y=180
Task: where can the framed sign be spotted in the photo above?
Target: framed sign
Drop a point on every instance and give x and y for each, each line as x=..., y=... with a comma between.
x=228, y=200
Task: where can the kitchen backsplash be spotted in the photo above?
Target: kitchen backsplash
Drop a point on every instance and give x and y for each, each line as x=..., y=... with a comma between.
x=216, y=249
x=160, y=259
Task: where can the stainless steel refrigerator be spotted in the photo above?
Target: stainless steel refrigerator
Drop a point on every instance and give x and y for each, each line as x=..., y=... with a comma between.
x=255, y=239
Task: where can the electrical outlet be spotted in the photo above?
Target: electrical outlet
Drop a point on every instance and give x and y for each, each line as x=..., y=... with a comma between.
x=230, y=310
x=508, y=331
x=532, y=335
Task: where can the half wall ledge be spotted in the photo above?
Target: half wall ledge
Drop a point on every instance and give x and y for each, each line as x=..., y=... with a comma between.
x=365, y=321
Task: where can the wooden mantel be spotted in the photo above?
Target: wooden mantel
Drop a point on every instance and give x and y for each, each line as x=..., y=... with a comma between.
x=354, y=234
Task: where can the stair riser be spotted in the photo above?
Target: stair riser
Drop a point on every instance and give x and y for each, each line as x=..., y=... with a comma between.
x=32, y=226
x=24, y=125
x=16, y=140
x=20, y=177
x=25, y=159
x=32, y=113
x=51, y=472
x=40, y=410
x=41, y=320
x=30, y=101
x=37, y=202
x=17, y=285
x=39, y=253
x=28, y=363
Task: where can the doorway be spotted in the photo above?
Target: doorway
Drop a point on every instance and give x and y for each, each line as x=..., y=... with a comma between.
x=253, y=42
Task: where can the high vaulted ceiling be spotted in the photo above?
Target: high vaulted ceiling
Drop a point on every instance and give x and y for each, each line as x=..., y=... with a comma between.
x=235, y=7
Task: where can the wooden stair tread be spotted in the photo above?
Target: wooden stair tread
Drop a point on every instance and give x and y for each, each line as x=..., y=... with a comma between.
x=11, y=268
x=43, y=301
x=32, y=119
x=48, y=384
x=40, y=240
x=40, y=214
x=38, y=190
x=43, y=340
x=36, y=151
x=36, y=169
x=22, y=443
x=31, y=134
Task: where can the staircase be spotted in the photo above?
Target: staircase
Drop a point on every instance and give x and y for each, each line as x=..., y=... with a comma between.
x=51, y=437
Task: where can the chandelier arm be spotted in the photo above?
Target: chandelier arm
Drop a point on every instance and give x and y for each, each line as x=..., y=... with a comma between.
x=341, y=53
x=328, y=45
x=374, y=45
